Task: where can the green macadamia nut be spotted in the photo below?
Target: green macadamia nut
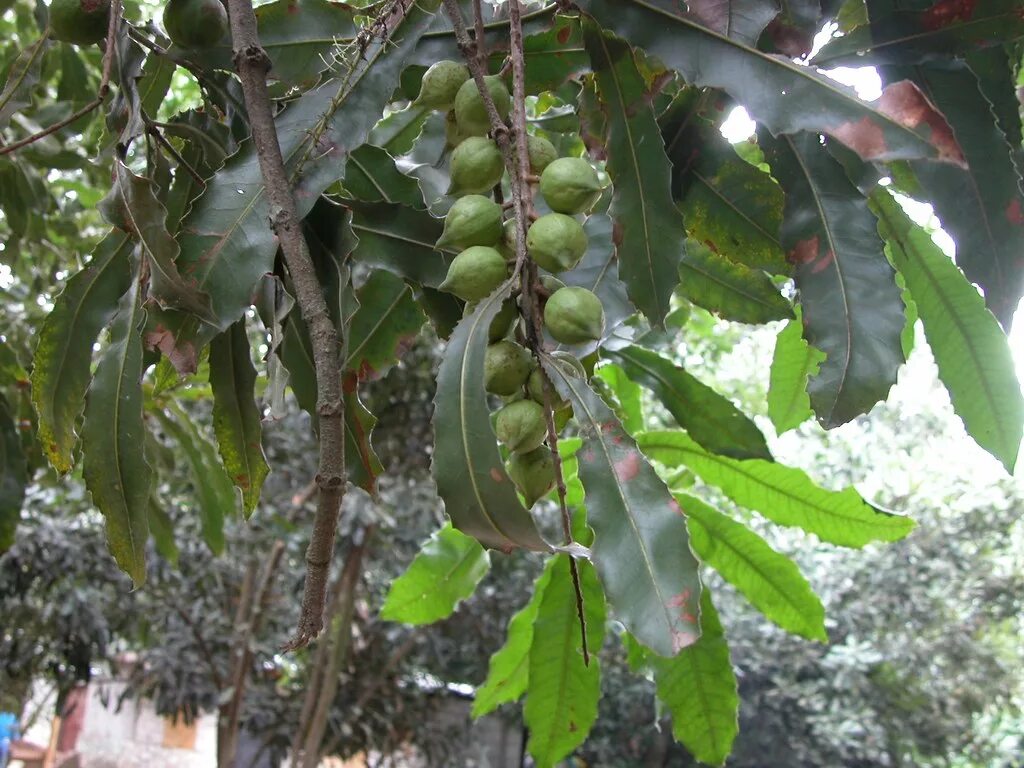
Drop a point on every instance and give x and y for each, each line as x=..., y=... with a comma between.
x=542, y=153
x=556, y=242
x=506, y=368
x=82, y=22
x=470, y=110
x=473, y=220
x=475, y=273
x=195, y=23
x=440, y=84
x=567, y=364
x=570, y=185
x=521, y=425
x=533, y=472
x=476, y=166
x=574, y=316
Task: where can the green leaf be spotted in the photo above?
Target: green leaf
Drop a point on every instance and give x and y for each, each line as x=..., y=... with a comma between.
x=478, y=495
x=710, y=419
x=445, y=572
x=161, y=528
x=22, y=78
x=509, y=668
x=386, y=323
x=743, y=21
x=794, y=362
x=732, y=291
x=784, y=495
x=982, y=206
x=237, y=421
x=226, y=241
x=771, y=582
x=561, y=702
x=60, y=370
x=145, y=219
x=901, y=125
x=649, y=233
x=114, y=466
x=641, y=547
x=13, y=476
x=397, y=132
x=372, y=177
x=698, y=688
x=215, y=496
x=401, y=240
x=907, y=37
x=974, y=359
x=628, y=397
x=851, y=306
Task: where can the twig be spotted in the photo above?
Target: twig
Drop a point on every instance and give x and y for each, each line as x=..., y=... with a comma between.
x=101, y=94
x=252, y=64
x=153, y=130
x=517, y=162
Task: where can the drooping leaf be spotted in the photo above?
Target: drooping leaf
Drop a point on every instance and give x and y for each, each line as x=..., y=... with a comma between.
x=793, y=363
x=851, y=307
x=115, y=469
x=946, y=28
x=784, y=495
x=237, y=421
x=445, y=572
x=509, y=668
x=386, y=322
x=730, y=290
x=649, y=234
x=60, y=370
x=22, y=78
x=562, y=695
x=215, y=496
x=771, y=582
x=13, y=476
x=162, y=530
x=698, y=688
x=772, y=88
x=710, y=419
x=972, y=354
x=982, y=206
x=641, y=547
x=478, y=495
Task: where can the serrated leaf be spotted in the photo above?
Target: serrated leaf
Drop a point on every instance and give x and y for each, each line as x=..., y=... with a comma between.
x=771, y=582
x=226, y=241
x=22, y=78
x=562, y=695
x=372, y=177
x=13, y=476
x=982, y=206
x=145, y=219
x=398, y=131
x=114, y=467
x=793, y=30
x=908, y=37
x=972, y=354
x=387, y=321
x=740, y=20
x=649, y=234
x=641, y=547
x=478, y=495
x=401, y=240
x=784, y=495
x=509, y=668
x=709, y=418
x=698, y=687
x=900, y=125
x=731, y=291
x=161, y=528
x=60, y=370
x=445, y=572
x=214, y=495
x=850, y=304
x=237, y=421
x=793, y=363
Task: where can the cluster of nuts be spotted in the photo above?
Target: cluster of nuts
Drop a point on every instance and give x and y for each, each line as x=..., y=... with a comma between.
x=555, y=241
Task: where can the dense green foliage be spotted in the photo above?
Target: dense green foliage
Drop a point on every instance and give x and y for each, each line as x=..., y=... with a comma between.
x=183, y=316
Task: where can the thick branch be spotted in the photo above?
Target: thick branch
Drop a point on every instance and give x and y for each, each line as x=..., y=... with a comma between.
x=252, y=64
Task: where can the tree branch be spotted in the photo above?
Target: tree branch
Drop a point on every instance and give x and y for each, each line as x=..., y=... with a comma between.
x=252, y=64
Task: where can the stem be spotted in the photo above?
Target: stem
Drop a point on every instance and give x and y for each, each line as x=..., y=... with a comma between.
x=517, y=162
x=252, y=64
x=153, y=130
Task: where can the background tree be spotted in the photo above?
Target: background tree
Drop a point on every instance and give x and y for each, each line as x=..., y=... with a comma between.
x=800, y=225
